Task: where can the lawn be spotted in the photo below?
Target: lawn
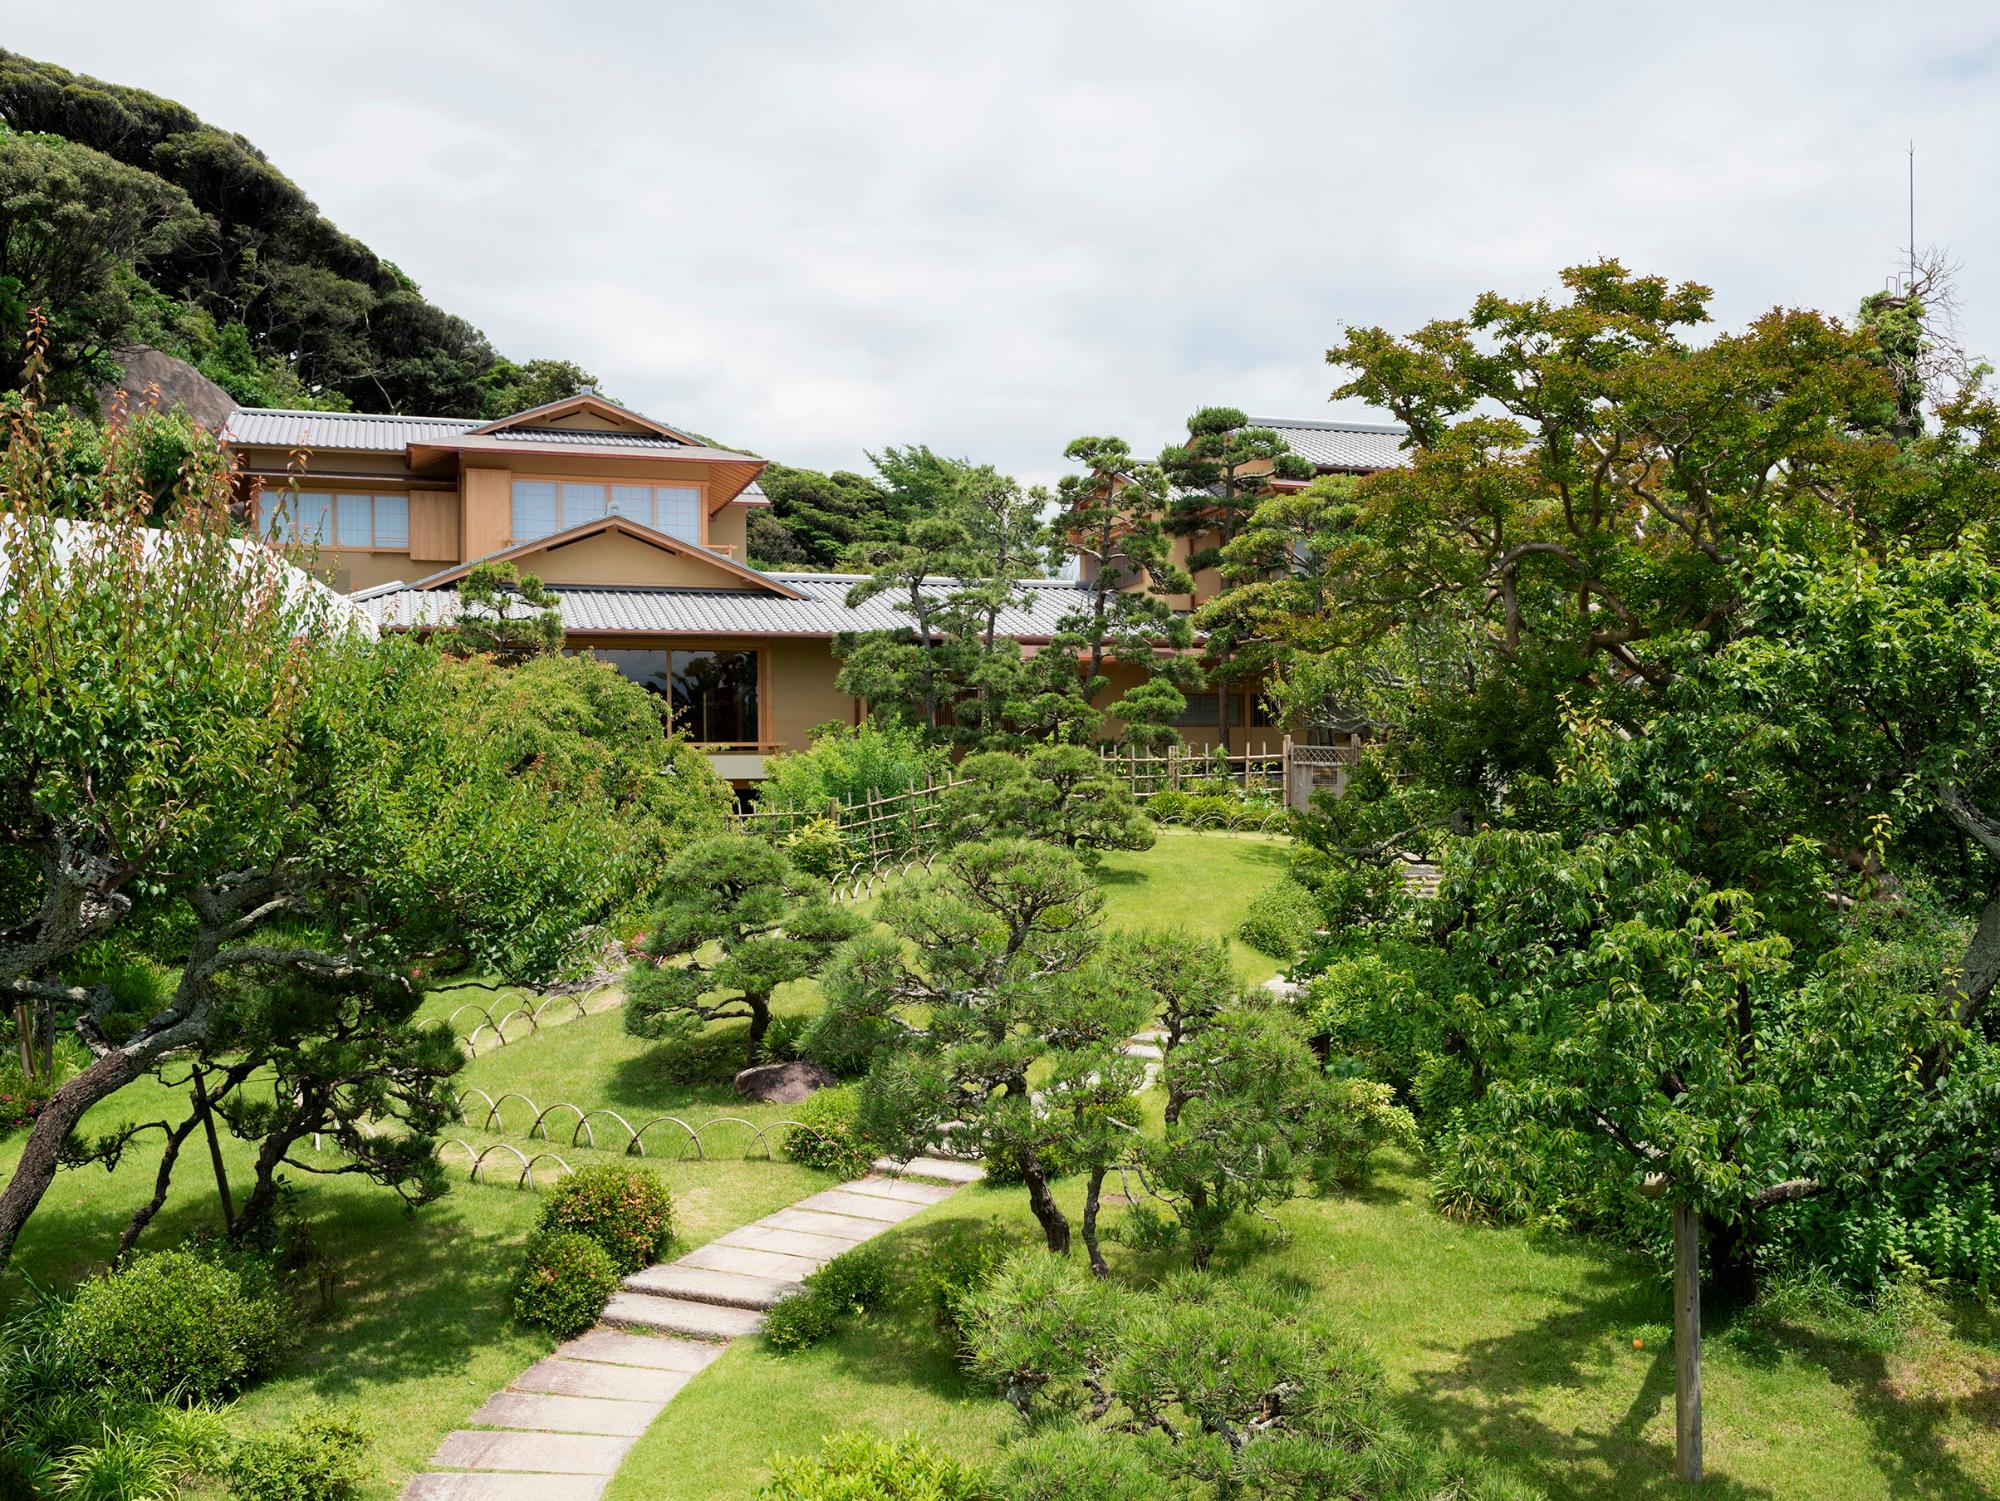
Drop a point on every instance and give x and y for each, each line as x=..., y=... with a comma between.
x=1516, y=1346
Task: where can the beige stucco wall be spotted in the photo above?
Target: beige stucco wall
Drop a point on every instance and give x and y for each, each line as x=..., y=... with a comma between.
x=728, y=528
x=613, y=558
x=802, y=693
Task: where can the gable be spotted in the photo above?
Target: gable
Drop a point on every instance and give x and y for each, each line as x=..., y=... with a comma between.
x=585, y=413
x=619, y=558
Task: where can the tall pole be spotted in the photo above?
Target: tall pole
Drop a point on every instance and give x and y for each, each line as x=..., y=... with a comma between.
x=1687, y=1343
x=1913, y=213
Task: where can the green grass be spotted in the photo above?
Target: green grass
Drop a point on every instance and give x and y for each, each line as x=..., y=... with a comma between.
x=1203, y=882
x=1518, y=1347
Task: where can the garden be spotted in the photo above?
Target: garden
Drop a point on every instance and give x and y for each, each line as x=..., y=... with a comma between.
x=1596, y=1097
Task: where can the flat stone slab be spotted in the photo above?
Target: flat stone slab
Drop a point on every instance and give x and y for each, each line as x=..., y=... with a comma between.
x=816, y=1222
x=861, y=1206
x=762, y=1237
x=505, y=1488
x=944, y=1168
x=701, y=1285
x=535, y=1453
x=774, y=1265
x=1142, y=1050
x=616, y=1347
x=900, y=1189
x=546, y=1414
x=678, y=1316
x=585, y=1378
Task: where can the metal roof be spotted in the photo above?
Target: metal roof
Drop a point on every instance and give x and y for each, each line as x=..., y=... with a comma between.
x=365, y=432
x=279, y=427
x=1342, y=445
x=730, y=612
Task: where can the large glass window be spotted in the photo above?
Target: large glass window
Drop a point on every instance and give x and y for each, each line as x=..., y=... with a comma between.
x=679, y=512
x=712, y=694
x=1202, y=709
x=357, y=521
x=534, y=509
x=392, y=521
x=354, y=521
x=544, y=507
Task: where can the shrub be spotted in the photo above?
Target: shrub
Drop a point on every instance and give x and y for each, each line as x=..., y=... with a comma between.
x=1281, y=921
x=138, y=1451
x=848, y=764
x=819, y=848
x=863, y=1467
x=319, y=1458
x=177, y=1325
x=567, y=1280
x=827, y=1135
x=1210, y=810
x=1167, y=807
x=954, y=1269
x=20, y=1101
x=852, y=1283
x=1361, y=1118
x=626, y=1210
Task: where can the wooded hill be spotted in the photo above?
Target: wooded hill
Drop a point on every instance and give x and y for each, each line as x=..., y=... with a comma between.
x=128, y=220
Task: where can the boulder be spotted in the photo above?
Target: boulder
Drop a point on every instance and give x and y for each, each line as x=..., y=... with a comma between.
x=781, y=1083
x=177, y=383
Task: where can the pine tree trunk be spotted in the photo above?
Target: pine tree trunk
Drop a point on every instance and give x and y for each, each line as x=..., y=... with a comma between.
x=36, y=1169
x=1054, y=1223
x=760, y=1023
x=1687, y=1343
x=161, y=1182
x=1092, y=1195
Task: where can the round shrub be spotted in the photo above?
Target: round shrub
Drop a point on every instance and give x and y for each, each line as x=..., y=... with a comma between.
x=567, y=1280
x=1167, y=807
x=626, y=1210
x=319, y=1458
x=864, y=1467
x=1209, y=811
x=179, y=1325
x=1281, y=921
x=827, y=1135
x=799, y=1322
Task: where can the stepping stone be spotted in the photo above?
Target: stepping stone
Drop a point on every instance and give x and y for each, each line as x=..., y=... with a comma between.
x=761, y=1237
x=834, y=1226
x=774, y=1265
x=615, y=1347
x=1142, y=1050
x=537, y=1453
x=545, y=1414
x=861, y=1206
x=900, y=1189
x=701, y=1285
x=933, y=1167
x=505, y=1488
x=583, y=1378
x=678, y=1316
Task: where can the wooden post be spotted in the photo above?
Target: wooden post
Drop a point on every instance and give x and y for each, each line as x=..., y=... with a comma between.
x=215, y=1153
x=1687, y=1343
x=1285, y=772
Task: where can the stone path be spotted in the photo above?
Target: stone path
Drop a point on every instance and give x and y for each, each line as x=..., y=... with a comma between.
x=563, y=1426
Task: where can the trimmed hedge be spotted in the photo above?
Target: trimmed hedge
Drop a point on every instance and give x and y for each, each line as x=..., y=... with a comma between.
x=626, y=1210
x=1281, y=921
x=827, y=1135
x=865, y=1467
x=180, y=1325
x=565, y=1283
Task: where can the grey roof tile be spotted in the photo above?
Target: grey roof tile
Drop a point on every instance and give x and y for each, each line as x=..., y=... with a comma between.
x=1342, y=445
x=727, y=612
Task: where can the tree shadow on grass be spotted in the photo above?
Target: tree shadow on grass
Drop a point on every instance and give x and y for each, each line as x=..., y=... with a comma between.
x=1490, y=1401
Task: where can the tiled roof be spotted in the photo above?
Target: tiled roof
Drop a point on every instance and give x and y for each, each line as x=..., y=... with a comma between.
x=278, y=427
x=364, y=432
x=730, y=612
x=1342, y=445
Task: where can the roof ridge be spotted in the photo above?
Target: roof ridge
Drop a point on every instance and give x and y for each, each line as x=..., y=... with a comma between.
x=352, y=416
x=1324, y=425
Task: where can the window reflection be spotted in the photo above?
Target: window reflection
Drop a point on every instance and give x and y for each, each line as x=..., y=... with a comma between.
x=712, y=693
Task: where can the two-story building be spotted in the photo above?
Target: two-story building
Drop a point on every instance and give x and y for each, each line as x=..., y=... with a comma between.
x=639, y=530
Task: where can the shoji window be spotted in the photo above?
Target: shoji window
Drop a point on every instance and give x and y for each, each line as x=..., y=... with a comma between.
x=544, y=507
x=534, y=509
x=356, y=521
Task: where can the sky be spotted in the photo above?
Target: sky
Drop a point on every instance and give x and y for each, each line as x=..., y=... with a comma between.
x=817, y=229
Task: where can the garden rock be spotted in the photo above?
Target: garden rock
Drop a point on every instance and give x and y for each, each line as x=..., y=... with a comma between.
x=782, y=1083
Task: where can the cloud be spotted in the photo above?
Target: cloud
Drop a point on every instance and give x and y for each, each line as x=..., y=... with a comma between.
x=818, y=229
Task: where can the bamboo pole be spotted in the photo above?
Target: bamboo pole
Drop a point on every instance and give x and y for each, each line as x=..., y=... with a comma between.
x=1687, y=1343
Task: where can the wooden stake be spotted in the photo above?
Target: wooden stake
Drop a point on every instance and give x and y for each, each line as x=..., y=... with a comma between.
x=215, y=1154
x=1687, y=1343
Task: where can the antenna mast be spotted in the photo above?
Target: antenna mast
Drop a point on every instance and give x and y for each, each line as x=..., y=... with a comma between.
x=1913, y=213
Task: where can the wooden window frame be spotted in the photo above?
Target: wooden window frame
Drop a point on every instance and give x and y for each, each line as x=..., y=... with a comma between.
x=609, y=483
x=286, y=501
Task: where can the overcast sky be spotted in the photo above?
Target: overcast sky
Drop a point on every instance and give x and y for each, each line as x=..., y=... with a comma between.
x=818, y=229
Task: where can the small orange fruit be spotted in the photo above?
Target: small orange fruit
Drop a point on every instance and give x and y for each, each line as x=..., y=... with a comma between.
x=1638, y=1344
